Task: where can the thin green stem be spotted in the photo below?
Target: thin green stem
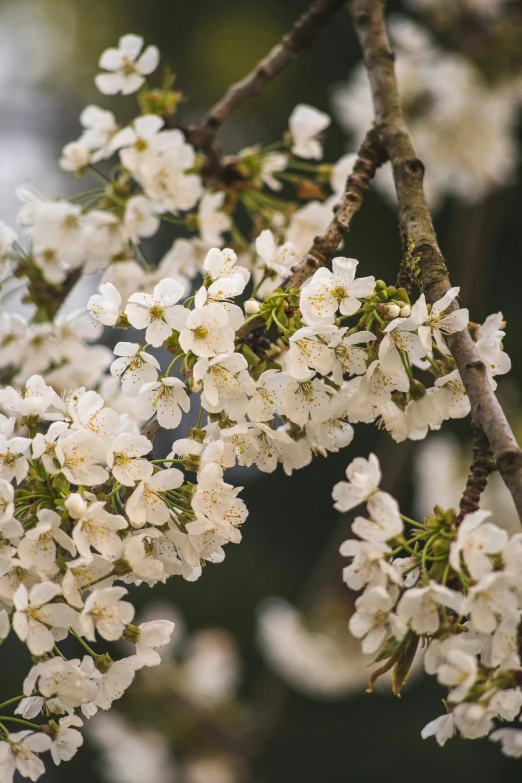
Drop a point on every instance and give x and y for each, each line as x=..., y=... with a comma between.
x=280, y=325
x=14, y=700
x=168, y=218
x=159, y=461
x=22, y=722
x=99, y=174
x=84, y=643
x=413, y=522
x=173, y=362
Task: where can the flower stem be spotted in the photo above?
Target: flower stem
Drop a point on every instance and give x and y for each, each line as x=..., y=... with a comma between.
x=23, y=722
x=11, y=701
x=173, y=362
x=84, y=643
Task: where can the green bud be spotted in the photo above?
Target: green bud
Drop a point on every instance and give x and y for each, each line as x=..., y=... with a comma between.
x=103, y=662
x=380, y=285
x=121, y=567
x=249, y=355
x=441, y=546
x=196, y=434
x=122, y=322
x=417, y=390
x=192, y=463
x=402, y=295
x=132, y=633
x=60, y=483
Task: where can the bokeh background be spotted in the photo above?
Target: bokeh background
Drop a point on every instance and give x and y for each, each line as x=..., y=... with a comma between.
x=48, y=57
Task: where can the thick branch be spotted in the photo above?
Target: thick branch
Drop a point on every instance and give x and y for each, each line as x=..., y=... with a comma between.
x=422, y=254
x=292, y=46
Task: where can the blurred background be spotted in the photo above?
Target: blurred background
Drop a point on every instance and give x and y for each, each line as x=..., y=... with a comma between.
x=263, y=682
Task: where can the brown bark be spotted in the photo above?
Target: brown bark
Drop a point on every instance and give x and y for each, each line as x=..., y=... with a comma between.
x=424, y=262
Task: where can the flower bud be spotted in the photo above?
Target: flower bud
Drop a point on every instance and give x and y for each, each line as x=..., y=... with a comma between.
x=393, y=310
x=405, y=311
x=76, y=505
x=252, y=306
x=196, y=386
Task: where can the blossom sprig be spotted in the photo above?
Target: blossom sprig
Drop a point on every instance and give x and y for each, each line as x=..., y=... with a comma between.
x=452, y=585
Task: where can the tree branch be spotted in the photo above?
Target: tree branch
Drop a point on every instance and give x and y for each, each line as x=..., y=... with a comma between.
x=300, y=38
x=371, y=155
x=479, y=472
x=423, y=258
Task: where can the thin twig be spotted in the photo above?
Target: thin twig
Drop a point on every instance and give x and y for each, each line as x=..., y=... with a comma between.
x=371, y=155
x=479, y=471
x=297, y=41
x=423, y=257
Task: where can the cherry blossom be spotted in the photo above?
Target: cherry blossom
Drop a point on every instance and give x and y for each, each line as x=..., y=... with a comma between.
x=156, y=312
x=35, y=615
x=328, y=291
x=94, y=526
x=147, y=504
x=364, y=476
x=105, y=306
x=205, y=331
x=22, y=753
x=135, y=366
x=125, y=458
x=476, y=539
x=166, y=398
x=126, y=67
x=305, y=124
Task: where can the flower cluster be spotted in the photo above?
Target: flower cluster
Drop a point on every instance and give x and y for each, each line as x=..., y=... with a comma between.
x=276, y=374
x=452, y=584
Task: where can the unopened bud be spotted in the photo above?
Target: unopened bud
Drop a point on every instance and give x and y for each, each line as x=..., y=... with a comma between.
x=132, y=633
x=76, y=505
x=393, y=310
x=405, y=311
x=252, y=306
x=196, y=386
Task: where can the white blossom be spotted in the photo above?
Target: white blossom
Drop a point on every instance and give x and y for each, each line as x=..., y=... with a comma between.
x=370, y=618
x=22, y=753
x=126, y=67
x=328, y=291
x=146, y=504
x=156, y=312
x=134, y=366
x=105, y=306
x=476, y=539
x=107, y=613
x=305, y=124
x=94, y=526
x=364, y=476
x=166, y=398
x=125, y=458
x=34, y=615
x=419, y=606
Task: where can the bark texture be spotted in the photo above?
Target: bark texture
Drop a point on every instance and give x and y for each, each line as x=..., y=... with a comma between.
x=423, y=260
